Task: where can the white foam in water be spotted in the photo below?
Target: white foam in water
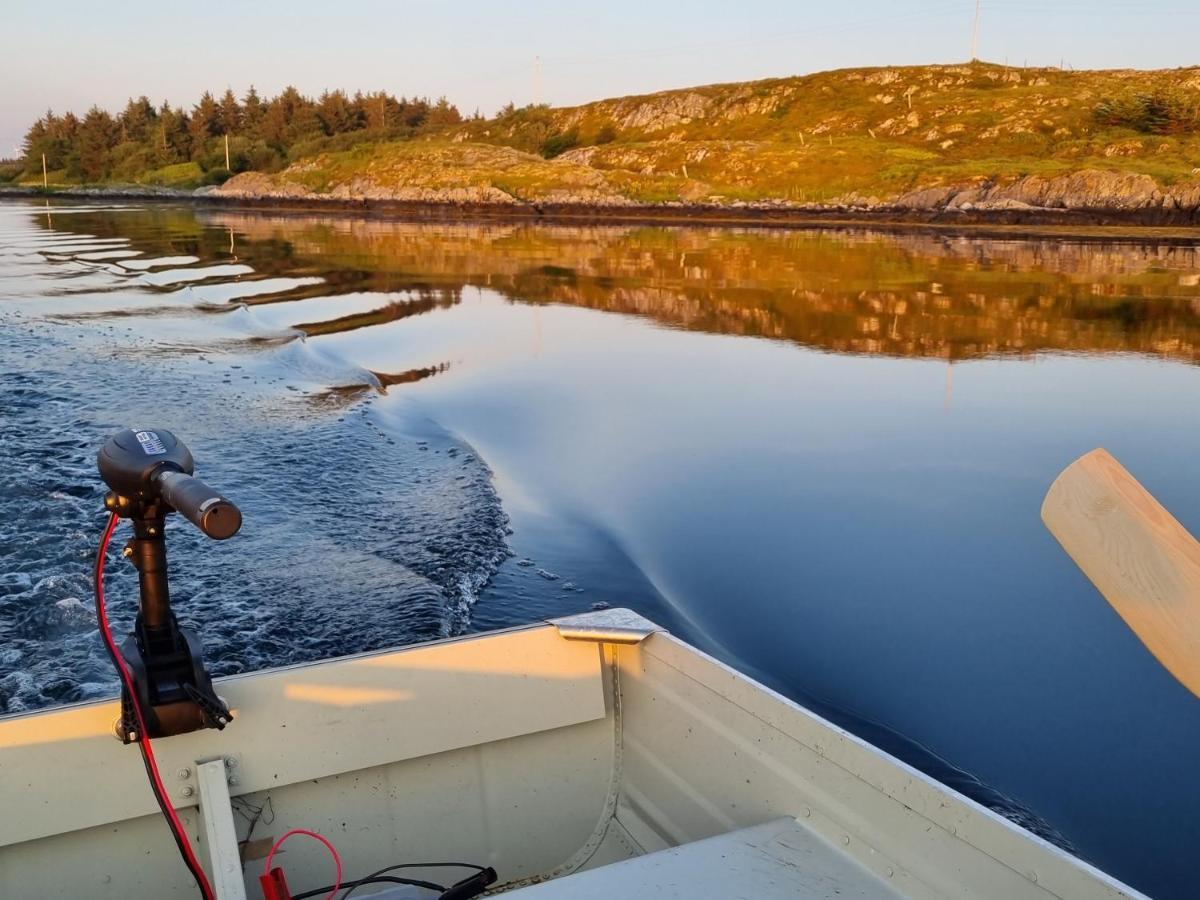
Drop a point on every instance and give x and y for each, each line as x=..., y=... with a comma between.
x=313, y=366
x=245, y=321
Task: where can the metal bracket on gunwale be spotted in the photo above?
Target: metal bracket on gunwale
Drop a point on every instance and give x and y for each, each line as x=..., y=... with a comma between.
x=606, y=626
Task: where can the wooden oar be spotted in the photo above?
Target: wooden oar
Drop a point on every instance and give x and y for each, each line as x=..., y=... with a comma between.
x=1137, y=554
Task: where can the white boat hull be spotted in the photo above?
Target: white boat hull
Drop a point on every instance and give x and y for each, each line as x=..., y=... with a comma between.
x=541, y=751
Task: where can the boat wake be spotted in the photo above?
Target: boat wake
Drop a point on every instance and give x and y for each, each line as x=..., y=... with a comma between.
x=358, y=536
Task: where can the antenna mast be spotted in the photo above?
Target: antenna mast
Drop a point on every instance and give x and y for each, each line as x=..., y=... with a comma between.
x=975, y=33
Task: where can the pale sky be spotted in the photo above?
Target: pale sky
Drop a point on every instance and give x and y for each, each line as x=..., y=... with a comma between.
x=481, y=53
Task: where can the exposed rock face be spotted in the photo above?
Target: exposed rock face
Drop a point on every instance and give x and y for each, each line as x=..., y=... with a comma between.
x=256, y=184
x=1091, y=189
x=656, y=112
x=656, y=116
x=928, y=198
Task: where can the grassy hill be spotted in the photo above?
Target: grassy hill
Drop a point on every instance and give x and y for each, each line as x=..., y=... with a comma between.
x=854, y=136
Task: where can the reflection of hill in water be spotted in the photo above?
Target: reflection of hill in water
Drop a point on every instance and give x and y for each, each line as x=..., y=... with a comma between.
x=908, y=294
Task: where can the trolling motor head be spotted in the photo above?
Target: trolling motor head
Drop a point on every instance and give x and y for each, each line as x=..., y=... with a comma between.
x=146, y=468
x=149, y=474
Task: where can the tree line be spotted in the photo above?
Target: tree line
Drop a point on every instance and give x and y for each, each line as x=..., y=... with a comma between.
x=263, y=134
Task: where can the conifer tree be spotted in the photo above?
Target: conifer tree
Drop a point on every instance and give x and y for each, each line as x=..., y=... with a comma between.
x=137, y=120
x=252, y=113
x=205, y=122
x=176, y=135
x=230, y=116
x=92, y=159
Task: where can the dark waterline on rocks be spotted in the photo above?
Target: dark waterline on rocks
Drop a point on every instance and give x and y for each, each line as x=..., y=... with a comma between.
x=818, y=455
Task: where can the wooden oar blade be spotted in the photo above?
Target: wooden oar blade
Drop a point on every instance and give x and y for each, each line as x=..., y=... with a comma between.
x=1136, y=553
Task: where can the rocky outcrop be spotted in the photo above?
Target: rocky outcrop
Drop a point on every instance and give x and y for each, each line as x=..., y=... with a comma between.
x=1091, y=190
x=254, y=185
x=430, y=173
x=657, y=115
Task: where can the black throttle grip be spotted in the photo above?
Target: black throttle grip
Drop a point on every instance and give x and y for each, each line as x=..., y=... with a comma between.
x=213, y=514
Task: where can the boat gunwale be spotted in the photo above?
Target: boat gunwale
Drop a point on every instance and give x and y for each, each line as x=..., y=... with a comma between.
x=275, y=670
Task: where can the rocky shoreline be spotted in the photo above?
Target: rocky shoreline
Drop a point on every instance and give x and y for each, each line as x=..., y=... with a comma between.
x=1083, y=199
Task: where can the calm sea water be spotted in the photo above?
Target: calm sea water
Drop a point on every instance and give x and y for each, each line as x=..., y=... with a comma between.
x=819, y=455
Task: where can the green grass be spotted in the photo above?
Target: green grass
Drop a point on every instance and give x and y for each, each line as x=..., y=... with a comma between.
x=53, y=177
x=180, y=175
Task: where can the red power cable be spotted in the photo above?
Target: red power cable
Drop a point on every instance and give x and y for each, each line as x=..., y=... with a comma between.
x=156, y=784
x=337, y=860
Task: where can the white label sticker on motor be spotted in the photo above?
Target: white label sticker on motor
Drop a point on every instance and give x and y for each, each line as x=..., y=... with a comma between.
x=152, y=444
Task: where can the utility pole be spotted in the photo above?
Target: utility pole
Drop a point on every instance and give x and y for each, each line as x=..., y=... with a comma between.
x=975, y=33
x=227, y=168
x=45, y=179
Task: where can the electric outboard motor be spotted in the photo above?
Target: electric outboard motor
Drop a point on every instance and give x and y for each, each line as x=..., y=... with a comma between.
x=151, y=465
x=149, y=473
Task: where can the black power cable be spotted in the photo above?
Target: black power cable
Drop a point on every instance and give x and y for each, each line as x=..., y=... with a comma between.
x=381, y=877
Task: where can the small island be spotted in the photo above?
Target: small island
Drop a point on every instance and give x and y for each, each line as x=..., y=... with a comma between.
x=945, y=143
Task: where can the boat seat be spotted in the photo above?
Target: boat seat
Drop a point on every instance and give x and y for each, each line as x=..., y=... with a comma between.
x=774, y=860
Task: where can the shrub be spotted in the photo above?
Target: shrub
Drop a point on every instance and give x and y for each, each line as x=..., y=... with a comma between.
x=607, y=134
x=217, y=176
x=560, y=142
x=214, y=158
x=1160, y=112
x=260, y=158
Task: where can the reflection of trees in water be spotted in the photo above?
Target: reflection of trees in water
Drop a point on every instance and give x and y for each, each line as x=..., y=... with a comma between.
x=418, y=301
x=858, y=291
